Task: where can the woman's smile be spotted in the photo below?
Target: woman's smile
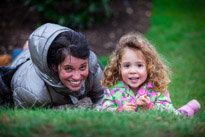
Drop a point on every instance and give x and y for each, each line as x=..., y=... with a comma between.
x=75, y=83
x=73, y=72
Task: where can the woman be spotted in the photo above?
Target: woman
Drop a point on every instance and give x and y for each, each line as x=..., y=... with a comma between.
x=57, y=69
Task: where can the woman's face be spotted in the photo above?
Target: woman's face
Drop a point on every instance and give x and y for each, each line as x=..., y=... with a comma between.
x=73, y=72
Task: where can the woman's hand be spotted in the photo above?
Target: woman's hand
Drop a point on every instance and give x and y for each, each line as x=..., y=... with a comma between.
x=143, y=101
x=129, y=106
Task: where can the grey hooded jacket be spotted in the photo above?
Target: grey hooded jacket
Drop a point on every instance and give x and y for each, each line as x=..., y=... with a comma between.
x=33, y=84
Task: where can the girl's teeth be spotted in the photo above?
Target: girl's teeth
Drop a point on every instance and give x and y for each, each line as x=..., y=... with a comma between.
x=133, y=78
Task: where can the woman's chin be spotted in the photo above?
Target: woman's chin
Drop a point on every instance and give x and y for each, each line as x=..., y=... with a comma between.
x=74, y=88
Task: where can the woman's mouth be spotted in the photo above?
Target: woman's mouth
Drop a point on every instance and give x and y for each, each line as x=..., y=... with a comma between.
x=75, y=83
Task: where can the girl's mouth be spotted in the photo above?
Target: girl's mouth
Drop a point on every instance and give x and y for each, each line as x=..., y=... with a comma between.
x=134, y=79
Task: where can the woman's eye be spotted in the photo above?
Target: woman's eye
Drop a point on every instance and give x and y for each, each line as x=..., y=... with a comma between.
x=83, y=67
x=68, y=69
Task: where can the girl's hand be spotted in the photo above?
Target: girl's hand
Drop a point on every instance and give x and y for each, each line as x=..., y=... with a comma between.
x=129, y=106
x=143, y=101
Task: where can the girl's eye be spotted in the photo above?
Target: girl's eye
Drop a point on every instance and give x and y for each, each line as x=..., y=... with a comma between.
x=126, y=66
x=140, y=65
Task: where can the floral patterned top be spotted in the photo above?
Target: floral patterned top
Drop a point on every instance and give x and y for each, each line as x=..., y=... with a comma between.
x=116, y=96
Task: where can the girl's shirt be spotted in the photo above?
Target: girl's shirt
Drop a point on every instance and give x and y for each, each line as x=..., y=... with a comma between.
x=115, y=97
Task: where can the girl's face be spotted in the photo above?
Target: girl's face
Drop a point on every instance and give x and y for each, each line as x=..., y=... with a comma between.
x=72, y=72
x=133, y=68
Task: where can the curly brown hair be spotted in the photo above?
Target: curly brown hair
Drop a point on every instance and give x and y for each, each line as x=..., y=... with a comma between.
x=157, y=70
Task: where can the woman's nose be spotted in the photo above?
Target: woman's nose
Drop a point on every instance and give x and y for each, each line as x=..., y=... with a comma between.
x=76, y=75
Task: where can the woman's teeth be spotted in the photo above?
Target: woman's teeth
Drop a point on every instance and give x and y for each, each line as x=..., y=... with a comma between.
x=75, y=82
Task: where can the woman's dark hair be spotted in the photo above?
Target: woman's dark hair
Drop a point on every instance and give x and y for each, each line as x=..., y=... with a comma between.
x=68, y=43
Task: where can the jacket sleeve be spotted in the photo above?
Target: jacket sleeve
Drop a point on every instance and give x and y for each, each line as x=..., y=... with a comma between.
x=28, y=88
x=96, y=93
x=109, y=103
x=163, y=102
x=27, y=100
x=93, y=85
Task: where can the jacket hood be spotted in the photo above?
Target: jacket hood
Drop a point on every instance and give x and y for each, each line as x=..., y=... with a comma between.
x=39, y=42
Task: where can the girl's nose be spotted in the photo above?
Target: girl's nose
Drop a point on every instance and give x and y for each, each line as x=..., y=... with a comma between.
x=133, y=70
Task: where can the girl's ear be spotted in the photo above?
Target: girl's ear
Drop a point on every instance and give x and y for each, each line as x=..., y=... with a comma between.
x=54, y=67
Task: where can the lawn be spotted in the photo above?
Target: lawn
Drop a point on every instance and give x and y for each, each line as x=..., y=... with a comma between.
x=178, y=33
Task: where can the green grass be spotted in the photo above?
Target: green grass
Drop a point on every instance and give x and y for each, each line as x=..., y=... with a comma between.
x=78, y=123
x=177, y=30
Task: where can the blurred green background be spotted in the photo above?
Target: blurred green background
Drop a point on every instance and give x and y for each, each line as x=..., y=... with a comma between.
x=76, y=14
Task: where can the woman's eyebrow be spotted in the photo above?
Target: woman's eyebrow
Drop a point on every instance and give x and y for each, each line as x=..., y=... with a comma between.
x=84, y=63
x=68, y=66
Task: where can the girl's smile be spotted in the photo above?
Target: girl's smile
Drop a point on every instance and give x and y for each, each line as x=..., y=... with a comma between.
x=134, y=79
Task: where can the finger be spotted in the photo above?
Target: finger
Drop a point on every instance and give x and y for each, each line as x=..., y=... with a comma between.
x=129, y=110
x=144, y=100
x=131, y=104
x=132, y=109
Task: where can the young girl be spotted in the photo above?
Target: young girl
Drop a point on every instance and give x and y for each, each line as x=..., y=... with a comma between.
x=136, y=79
